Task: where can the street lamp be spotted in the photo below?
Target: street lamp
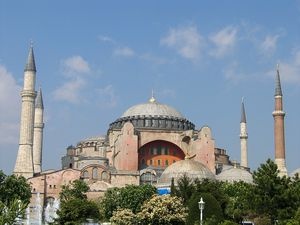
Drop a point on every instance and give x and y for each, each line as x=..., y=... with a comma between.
x=201, y=207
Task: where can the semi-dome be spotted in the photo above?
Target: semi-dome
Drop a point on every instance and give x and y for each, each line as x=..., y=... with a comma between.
x=153, y=115
x=152, y=108
x=189, y=167
x=235, y=174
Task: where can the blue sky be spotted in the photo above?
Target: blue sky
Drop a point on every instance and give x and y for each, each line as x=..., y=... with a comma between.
x=95, y=59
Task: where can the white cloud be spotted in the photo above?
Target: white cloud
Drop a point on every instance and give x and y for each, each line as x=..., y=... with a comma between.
x=224, y=40
x=106, y=39
x=124, y=51
x=75, y=65
x=187, y=41
x=269, y=44
x=232, y=73
x=70, y=91
x=154, y=59
x=10, y=105
x=107, y=97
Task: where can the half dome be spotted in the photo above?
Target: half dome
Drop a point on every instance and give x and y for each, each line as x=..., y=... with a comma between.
x=235, y=174
x=189, y=167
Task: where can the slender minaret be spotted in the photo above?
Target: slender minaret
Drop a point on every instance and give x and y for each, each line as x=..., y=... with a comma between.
x=279, y=138
x=244, y=137
x=24, y=162
x=38, y=132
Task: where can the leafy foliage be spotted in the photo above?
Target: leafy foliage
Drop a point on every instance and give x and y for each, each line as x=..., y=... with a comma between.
x=130, y=197
x=14, y=197
x=75, y=208
x=14, y=187
x=184, y=189
x=76, y=190
x=272, y=194
x=212, y=210
x=214, y=188
x=163, y=210
x=239, y=200
x=123, y=217
x=15, y=209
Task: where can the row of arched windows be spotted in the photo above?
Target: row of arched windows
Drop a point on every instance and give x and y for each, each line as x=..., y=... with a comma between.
x=95, y=175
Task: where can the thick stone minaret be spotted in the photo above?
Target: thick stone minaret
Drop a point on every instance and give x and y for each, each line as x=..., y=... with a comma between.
x=24, y=162
x=279, y=138
x=244, y=137
x=38, y=132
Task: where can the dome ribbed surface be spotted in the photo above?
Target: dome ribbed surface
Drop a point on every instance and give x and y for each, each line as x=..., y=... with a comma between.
x=235, y=174
x=152, y=109
x=191, y=168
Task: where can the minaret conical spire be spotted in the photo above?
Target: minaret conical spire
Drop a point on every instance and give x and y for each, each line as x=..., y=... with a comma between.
x=278, y=91
x=243, y=113
x=30, y=65
x=39, y=100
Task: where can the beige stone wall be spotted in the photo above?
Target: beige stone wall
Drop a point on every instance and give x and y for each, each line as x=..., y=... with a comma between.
x=125, y=154
x=204, y=148
x=125, y=177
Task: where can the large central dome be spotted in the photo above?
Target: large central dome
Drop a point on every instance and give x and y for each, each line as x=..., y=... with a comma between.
x=152, y=108
x=153, y=115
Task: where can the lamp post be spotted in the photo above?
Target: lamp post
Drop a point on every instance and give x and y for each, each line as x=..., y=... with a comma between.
x=201, y=207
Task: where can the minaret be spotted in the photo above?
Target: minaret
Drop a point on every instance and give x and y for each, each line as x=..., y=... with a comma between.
x=243, y=137
x=279, y=138
x=24, y=162
x=38, y=132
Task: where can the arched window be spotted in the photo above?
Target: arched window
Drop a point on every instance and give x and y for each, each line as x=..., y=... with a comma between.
x=148, y=178
x=167, y=162
x=104, y=175
x=143, y=162
x=95, y=173
x=85, y=174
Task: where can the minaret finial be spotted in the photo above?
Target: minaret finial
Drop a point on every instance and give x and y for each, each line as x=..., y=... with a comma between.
x=152, y=99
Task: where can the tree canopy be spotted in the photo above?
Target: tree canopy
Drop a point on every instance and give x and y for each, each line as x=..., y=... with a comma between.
x=15, y=194
x=129, y=197
x=75, y=208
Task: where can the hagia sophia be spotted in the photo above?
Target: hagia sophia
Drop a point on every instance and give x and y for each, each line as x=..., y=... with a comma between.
x=150, y=143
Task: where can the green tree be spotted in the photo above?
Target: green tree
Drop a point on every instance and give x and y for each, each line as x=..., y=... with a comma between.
x=15, y=196
x=123, y=217
x=14, y=187
x=77, y=190
x=239, y=195
x=129, y=197
x=75, y=208
x=184, y=189
x=215, y=188
x=271, y=195
x=163, y=210
x=212, y=212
